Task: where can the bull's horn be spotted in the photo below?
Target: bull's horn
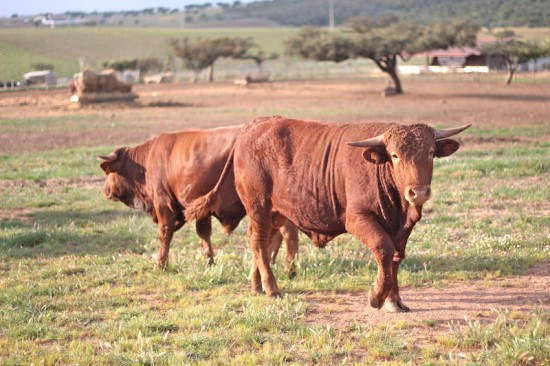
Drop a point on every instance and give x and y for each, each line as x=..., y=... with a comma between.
x=441, y=134
x=111, y=157
x=372, y=142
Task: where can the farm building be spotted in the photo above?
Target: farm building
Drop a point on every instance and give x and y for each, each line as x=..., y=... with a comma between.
x=47, y=77
x=461, y=57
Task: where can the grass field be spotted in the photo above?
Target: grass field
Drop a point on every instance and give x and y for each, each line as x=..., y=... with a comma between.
x=21, y=48
x=78, y=285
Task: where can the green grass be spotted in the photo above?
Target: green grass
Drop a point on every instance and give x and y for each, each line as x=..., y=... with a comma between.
x=21, y=48
x=78, y=285
x=57, y=164
x=63, y=47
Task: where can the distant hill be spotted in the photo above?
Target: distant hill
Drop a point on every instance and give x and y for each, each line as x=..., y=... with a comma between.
x=488, y=13
x=297, y=13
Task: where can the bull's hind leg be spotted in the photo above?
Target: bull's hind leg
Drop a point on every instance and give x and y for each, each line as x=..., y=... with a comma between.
x=255, y=277
x=166, y=226
x=381, y=246
x=204, y=231
x=260, y=235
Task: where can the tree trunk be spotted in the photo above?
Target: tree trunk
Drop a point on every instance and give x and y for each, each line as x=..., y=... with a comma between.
x=210, y=70
x=396, y=82
x=388, y=64
x=511, y=68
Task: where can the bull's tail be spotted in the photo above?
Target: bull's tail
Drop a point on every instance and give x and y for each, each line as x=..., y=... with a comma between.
x=210, y=202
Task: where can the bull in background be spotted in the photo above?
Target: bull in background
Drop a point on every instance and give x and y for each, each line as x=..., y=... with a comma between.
x=314, y=175
x=162, y=174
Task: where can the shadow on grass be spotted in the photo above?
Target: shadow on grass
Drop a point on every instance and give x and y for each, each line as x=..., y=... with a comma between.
x=53, y=233
x=341, y=274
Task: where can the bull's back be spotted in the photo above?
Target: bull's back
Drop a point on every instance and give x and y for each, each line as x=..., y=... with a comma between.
x=191, y=162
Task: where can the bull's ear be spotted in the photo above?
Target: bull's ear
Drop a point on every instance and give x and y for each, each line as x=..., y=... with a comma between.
x=375, y=155
x=445, y=147
x=107, y=167
x=111, y=160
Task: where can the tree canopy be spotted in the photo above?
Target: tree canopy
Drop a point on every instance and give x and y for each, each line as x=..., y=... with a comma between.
x=201, y=54
x=382, y=40
x=516, y=52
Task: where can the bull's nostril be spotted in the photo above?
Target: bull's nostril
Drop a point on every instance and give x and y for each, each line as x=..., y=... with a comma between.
x=412, y=193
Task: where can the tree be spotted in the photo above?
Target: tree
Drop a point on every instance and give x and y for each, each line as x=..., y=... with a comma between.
x=321, y=45
x=383, y=40
x=202, y=53
x=386, y=40
x=259, y=57
x=516, y=52
x=120, y=65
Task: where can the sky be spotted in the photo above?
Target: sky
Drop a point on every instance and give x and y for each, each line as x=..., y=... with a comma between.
x=32, y=7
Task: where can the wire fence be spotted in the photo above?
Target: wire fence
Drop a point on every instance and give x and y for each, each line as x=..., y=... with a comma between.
x=309, y=70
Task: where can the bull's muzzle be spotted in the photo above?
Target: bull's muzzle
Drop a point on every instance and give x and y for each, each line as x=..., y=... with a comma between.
x=418, y=195
x=109, y=194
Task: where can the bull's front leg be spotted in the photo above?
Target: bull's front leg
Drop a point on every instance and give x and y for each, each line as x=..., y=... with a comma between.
x=394, y=303
x=290, y=235
x=204, y=231
x=381, y=245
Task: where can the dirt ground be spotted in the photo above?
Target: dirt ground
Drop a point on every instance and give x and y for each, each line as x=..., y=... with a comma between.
x=175, y=106
x=169, y=107
x=472, y=301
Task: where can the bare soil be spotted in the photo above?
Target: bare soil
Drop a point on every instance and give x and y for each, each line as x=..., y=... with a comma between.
x=169, y=107
x=176, y=106
x=434, y=308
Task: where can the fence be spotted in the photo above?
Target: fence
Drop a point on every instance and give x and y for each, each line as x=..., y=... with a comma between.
x=229, y=70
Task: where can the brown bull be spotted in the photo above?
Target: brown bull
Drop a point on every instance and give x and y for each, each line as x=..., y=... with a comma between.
x=314, y=175
x=162, y=174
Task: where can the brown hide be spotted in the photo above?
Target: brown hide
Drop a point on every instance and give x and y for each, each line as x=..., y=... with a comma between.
x=306, y=172
x=161, y=175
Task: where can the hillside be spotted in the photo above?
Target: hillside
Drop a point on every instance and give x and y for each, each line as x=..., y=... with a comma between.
x=22, y=48
x=488, y=13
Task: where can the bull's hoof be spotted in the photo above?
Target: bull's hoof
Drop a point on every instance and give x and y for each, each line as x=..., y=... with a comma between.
x=257, y=290
x=275, y=295
x=162, y=265
x=291, y=274
x=392, y=306
x=211, y=262
x=373, y=302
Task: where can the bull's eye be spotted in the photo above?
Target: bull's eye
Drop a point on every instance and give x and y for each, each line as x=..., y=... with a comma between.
x=431, y=153
x=394, y=157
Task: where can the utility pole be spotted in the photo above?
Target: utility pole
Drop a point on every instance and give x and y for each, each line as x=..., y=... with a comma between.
x=331, y=14
x=182, y=21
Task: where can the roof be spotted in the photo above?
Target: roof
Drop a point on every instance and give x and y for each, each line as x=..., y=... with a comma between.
x=32, y=74
x=452, y=52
